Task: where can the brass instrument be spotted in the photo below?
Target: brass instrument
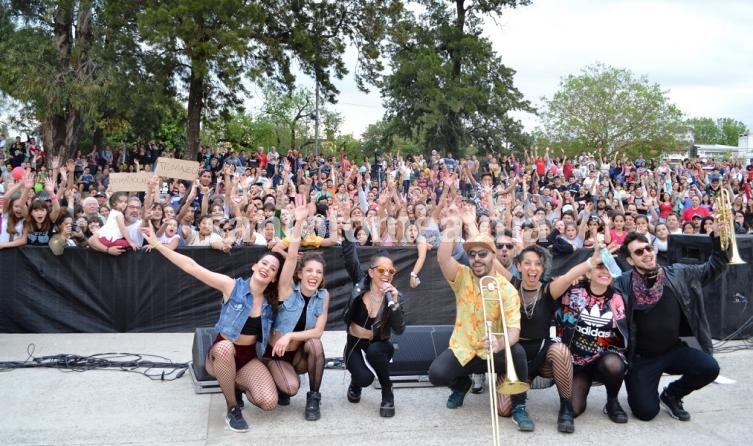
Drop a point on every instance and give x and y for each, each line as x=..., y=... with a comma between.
x=490, y=292
x=727, y=226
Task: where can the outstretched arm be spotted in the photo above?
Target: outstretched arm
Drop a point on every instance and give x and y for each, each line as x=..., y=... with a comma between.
x=220, y=282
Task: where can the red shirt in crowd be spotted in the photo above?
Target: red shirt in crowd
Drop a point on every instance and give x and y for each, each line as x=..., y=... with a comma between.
x=691, y=212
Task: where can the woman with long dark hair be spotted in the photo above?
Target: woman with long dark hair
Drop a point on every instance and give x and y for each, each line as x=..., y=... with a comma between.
x=372, y=314
x=244, y=326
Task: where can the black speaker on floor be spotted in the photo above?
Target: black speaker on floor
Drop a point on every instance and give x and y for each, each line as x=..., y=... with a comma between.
x=415, y=350
x=202, y=380
x=727, y=300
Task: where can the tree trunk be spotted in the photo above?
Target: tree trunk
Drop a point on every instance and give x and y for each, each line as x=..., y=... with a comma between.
x=195, y=109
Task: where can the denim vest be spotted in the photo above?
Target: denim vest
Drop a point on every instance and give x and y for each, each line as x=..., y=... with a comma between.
x=235, y=312
x=290, y=310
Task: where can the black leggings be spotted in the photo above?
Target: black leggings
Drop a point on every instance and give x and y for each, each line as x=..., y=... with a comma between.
x=378, y=354
x=447, y=371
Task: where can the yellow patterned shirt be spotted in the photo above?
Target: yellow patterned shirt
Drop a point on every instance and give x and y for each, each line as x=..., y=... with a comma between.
x=469, y=333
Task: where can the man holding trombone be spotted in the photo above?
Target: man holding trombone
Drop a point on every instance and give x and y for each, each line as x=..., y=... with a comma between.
x=479, y=328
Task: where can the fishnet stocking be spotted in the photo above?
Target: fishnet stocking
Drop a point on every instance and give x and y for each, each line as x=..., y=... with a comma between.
x=314, y=353
x=309, y=358
x=221, y=364
x=558, y=365
x=255, y=379
x=285, y=376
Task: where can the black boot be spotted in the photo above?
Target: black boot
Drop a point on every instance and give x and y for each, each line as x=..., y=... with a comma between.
x=614, y=411
x=354, y=393
x=565, y=421
x=312, y=406
x=283, y=399
x=387, y=409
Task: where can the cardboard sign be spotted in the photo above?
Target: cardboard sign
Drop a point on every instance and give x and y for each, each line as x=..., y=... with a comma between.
x=177, y=168
x=129, y=182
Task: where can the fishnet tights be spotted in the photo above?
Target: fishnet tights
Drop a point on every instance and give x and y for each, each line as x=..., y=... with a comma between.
x=609, y=370
x=557, y=365
x=253, y=378
x=309, y=358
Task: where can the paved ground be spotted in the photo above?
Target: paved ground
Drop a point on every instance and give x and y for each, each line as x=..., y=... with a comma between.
x=49, y=407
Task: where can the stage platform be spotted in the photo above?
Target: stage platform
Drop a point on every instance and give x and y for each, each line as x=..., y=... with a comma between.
x=49, y=407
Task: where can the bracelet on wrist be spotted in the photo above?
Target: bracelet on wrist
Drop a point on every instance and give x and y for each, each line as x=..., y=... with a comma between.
x=412, y=274
x=590, y=264
x=154, y=245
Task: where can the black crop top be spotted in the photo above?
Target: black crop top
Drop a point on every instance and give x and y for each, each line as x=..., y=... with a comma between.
x=361, y=315
x=252, y=326
x=301, y=324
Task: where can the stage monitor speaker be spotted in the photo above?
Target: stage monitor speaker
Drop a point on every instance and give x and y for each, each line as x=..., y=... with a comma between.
x=202, y=380
x=415, y=349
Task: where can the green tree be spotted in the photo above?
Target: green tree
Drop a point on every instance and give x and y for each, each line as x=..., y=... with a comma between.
x=725, y=131
x=220, y=43
x=449, y=89
x=610, y=108
x=705, y=131
x=731, y=130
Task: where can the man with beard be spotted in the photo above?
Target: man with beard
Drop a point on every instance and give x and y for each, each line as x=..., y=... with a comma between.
x=665, y=303
x=469, y=343
x=132, y=217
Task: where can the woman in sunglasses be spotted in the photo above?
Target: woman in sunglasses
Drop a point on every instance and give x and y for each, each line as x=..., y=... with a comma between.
x=591, y=321
x=371, y=315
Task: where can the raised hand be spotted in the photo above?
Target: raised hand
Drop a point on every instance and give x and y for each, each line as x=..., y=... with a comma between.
x=55, y=162
x=49, y=186
x=302, y=209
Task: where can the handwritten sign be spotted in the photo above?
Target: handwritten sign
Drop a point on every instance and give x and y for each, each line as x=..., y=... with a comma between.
x=176, y=168
x=129, y=182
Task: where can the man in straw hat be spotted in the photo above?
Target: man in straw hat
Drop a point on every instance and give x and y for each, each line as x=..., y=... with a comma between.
x=469, y=343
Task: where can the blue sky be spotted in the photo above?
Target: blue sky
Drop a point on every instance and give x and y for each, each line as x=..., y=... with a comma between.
x=701, y=52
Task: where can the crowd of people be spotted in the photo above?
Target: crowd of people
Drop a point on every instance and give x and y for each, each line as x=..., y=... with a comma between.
x=499, y=216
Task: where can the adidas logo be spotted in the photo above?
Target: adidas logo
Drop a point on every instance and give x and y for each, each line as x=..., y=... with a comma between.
x=594, y=320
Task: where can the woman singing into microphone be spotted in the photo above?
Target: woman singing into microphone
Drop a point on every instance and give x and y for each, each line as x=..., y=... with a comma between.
x=372, y=313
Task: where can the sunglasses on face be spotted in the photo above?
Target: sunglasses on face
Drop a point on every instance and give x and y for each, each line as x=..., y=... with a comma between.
x=481, y=254
x=640, y=251
x=504, y=245
x=383, y=270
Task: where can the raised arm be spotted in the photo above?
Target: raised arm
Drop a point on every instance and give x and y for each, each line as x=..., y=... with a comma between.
x=285, y=282
x=559, y=285
x=447, y=264
x=220, y=282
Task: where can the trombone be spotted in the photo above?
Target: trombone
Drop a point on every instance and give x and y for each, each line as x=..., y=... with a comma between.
x=490, y=293
x=726, y=218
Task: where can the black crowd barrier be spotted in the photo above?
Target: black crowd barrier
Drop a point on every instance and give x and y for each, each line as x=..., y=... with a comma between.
x=84, y=291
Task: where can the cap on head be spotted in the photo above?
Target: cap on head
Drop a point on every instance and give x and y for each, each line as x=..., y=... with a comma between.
x=480, y=241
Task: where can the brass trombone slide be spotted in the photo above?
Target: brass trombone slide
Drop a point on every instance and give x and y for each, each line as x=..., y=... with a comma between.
x=490, y=293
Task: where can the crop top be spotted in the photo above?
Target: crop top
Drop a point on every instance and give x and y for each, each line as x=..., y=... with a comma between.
x=252, y=326
x=361, y=315
x=301, y=324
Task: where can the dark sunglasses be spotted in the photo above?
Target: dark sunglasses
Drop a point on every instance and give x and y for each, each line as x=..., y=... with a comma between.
x=481, y=254
x=227, y=229
x=640, y=251
x=504, y=245
x=382, y=270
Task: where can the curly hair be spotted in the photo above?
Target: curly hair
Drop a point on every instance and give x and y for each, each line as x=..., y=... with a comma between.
x=544, y=256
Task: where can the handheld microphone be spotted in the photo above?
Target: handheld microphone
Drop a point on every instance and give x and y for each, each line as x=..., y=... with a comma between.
x=391, y=304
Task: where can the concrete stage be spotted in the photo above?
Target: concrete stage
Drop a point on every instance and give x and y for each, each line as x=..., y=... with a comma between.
x=49, y=407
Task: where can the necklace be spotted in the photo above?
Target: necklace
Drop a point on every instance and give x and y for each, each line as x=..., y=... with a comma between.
x=529, y=305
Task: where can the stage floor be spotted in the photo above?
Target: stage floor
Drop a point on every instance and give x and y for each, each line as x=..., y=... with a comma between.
x=49, y=407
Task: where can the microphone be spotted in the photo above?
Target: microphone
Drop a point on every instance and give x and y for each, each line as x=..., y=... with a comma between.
x=391, y=304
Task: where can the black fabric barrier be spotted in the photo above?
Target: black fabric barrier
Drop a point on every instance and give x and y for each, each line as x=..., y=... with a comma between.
x=90, y=292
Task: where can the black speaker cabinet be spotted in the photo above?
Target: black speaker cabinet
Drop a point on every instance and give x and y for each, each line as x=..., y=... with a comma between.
x=727, y=300
x=203, y=381
x=415, y=350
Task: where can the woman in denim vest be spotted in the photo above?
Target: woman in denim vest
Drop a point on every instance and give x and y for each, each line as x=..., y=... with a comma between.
x=296, y=346
x=372, y=313
x=248, y=307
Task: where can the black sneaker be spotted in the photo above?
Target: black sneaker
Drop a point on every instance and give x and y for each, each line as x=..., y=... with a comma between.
x=283, y=399
x=354, y=393
x=239, y=398
x=521, y=418
x=235, y=420
x=614, y=411
x=312, y=412
x=458, y=393
x=673, y=406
